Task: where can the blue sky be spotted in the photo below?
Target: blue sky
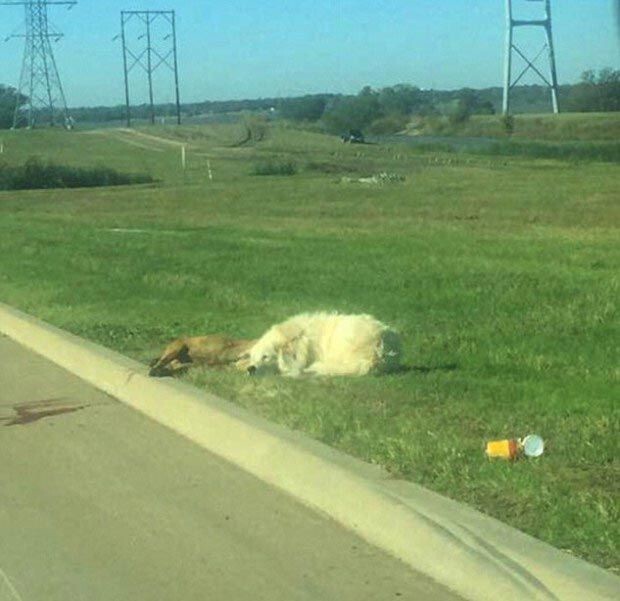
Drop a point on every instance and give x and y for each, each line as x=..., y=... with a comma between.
x=250, y=48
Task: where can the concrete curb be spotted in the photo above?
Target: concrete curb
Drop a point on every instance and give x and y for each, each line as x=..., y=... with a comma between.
x=474, y=555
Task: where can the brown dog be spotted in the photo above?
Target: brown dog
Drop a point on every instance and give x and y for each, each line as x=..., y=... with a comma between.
x=215, y=350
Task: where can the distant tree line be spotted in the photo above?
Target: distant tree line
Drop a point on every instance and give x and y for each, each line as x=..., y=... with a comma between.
x=100, y=114
x=386, y=110
x=379, y=111
x=389, y=109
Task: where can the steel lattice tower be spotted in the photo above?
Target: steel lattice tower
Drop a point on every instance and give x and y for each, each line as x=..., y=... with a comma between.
x=545, y=23
x=39, y=79
x=150, y=56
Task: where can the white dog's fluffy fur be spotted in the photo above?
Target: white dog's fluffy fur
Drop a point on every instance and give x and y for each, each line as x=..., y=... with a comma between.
x=328, y=344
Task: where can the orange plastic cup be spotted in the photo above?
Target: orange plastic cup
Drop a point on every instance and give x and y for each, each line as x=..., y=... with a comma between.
x=503, y=449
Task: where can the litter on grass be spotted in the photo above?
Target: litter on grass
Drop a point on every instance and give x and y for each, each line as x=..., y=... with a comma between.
x=511, y=448
x=379, y=178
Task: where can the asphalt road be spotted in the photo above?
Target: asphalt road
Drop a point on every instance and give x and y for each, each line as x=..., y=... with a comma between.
x=97, y=502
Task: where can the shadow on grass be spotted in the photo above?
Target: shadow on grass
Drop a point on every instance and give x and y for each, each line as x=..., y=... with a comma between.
x=163, y=372
x=422, y=369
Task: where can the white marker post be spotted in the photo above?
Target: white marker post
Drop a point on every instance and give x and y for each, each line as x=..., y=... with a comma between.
x=183, y=157
x=209, y=170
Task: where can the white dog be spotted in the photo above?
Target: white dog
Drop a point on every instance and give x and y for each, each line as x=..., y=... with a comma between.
x=327, y=344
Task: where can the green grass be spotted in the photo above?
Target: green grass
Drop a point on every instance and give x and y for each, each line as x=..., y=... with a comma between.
x=569, y=151
x=274, y=168
x=500, y=273
x=588, y=127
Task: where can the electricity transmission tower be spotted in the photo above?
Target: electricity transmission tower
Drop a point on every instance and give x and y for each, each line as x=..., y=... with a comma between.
x=545, y=23
x=149, y=57
x=39, y=80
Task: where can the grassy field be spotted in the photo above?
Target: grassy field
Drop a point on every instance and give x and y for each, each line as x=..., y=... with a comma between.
x=500, y=273
x=585, y=127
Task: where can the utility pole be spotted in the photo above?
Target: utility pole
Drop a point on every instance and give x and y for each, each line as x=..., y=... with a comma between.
x=39, y=79
x=150, y=57
x=551, y=80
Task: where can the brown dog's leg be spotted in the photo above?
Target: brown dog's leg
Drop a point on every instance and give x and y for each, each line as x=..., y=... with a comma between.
x=174, y=359
x=176, y=368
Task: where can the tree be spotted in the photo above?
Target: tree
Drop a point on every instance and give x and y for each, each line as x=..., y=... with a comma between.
x=9, y=99
x=353, y=112
x=460, y=113
x=471, y=103
x=256, y=127
x=402, y=99
x=597, y=92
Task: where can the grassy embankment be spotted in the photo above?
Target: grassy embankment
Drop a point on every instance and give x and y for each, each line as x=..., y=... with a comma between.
x=568, y=136
x=565, y=127
x=500, y=273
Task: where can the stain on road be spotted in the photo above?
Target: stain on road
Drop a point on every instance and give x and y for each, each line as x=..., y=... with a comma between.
x=26, y=413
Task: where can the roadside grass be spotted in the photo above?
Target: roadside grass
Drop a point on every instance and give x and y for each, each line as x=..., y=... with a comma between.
x=500, y=273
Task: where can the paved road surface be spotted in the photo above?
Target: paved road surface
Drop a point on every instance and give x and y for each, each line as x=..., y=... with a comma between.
x=97, y=502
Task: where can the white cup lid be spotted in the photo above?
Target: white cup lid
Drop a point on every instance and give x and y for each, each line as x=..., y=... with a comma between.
x=533, y=445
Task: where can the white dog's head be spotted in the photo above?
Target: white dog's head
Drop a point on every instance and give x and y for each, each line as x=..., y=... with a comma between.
x=263, y=356
x=275, y=352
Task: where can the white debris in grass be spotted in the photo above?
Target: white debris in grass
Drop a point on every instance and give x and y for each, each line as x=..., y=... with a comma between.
x=380, y=178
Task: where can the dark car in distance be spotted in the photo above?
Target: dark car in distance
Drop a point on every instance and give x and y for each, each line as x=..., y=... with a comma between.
x=354, y=136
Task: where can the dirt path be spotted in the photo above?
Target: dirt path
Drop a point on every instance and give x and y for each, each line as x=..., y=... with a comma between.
x=138, y=139
x=156, y=139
